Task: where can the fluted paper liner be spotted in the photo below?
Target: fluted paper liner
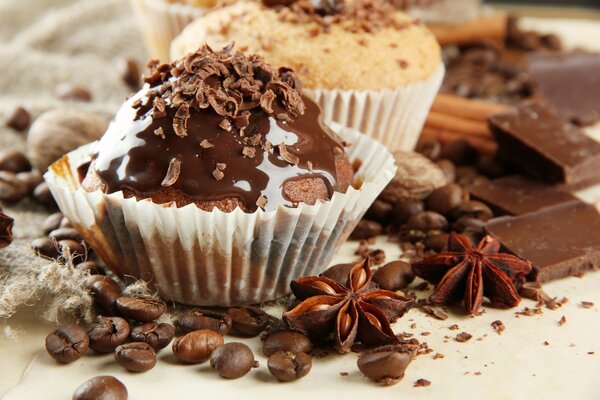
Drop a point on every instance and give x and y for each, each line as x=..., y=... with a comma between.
x=161, y=22
x=215, y=258
x=395, y=117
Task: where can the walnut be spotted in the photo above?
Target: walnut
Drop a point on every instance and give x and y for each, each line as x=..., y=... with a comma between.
x=59, y=131
x=415, y=179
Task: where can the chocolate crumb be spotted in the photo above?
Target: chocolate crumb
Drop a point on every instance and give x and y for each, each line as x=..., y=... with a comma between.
x=546, y=343
x=249, y=152
x=413, y=326
x=262, y=202
x=225, y=124
x=435, y=312
x=454, y=327
x=205, y=144
x=344, y=374
x=587, y=304
x=218, y=174
x=403, y=64
x=478, y=373
x=437, y=356
x=590, y=352
x=463, y=337
x=498, y=327
x=425, y=333
x=563, y=320
x=221, y=166
x=172, y=173
x=422, y=383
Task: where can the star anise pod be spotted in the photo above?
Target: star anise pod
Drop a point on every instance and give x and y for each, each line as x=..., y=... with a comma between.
x=6, y=224
x=355, y=312
x=474, y=273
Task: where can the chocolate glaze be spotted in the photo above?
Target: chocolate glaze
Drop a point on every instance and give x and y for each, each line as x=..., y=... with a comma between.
x=131, y=156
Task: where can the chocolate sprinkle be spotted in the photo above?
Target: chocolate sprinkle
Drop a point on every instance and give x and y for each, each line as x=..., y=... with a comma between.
x=205, y=144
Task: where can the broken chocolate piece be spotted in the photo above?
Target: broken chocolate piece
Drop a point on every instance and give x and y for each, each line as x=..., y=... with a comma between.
x=539, y=142
x=516, y=195
x=559, y=241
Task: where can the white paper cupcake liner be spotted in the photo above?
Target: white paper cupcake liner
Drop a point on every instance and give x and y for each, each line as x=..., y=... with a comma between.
x=215, y=258
x=395, y=117
x=161, y=21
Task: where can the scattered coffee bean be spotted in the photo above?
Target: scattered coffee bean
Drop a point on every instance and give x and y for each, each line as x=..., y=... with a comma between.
x=70, y=91
x=395, y=275
x=430, y=149
x=31, y=180
x=65, y=234
x=136, y=356
x=437, y=243
x=106, y=333
x=467, y=223
x=101, y=388
x=366, y=229
x=43, y=195
x=67, y=343
x=200, y=318
x=446, y=198
x=490, y=166
x=427, y=221
x=129, y=72
x=467, y=175
x=405, y=210
x=449, y=170
x=73, y=248
x=339, y=273
x=105, y=291
x=18, y=119
x=12, y=190
x=386, y=364
x=460, y=152
x=196, y=347
x=90, y=267
x=52, y=222
x=143, y=310
x=292, y=341
x=157, y=335
x=380, y=211
x=473, y=209
x=14, y=161
x=233, y=360
x=247, y=321
x=287, y=366
x=45, y=247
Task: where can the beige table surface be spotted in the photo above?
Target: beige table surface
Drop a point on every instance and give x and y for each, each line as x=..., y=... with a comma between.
x=514, y=365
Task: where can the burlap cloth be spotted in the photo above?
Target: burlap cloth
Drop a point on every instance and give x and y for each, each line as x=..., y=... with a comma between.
x=44, y=43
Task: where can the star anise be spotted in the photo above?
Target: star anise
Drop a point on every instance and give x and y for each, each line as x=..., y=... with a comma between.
x=6, y=224
x=355, y=312
x=472, y=273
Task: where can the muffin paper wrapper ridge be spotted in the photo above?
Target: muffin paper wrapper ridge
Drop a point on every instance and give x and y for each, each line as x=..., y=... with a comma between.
x=395, y=117
x=215, y=258
x=161, y=21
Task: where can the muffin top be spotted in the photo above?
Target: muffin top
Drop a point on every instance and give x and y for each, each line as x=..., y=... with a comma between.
x=220, y=129
x=363, y=44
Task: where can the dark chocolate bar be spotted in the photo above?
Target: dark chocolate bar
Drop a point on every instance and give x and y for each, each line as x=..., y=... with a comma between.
x=559, y=241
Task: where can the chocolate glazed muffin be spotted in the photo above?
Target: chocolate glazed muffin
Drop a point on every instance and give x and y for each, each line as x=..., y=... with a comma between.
x=220, y=129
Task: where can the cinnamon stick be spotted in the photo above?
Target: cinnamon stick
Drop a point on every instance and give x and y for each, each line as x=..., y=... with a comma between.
x=492, y=27
x=457, y=106
x=482, y=144
x=445, y=122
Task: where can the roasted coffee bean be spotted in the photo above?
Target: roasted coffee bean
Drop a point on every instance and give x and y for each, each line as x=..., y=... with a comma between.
x=106, y=333
x=366, y=229
x=18, y=119
x=143, y=310
x=196, y=347
x=247, y=321
x=393, y=276
x=12, y=190
x=129, y=72
x=42, y=195
x=446, y=198
x=65, y=234
x=386, y=364
x=14, y=161
x=339, y=272
x=233, y=360
x=380, y=211
x=404, y=211
x=287, y=366
x=430, y=149
x=45, y=247
x=90, y=267
x=31, y=180
x=437, y=243
x=136, y=356
x=467, y=223
x=201, y=318
x=449, y=170
x=473, y=209
x=67, y=343
x=70, y=91
x=551, y=41
x=52, y=222
x=73, y=248
x=460, y=152
x=292, y=341
x=490, y=166
x=466, y=175
x=105, y=291
x=427, y=221
x=101, y=388
x=157, y=335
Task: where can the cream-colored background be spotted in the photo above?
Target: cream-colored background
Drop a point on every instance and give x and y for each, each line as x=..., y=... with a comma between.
x=44, y=42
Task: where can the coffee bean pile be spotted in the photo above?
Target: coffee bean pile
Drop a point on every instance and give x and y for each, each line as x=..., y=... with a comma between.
x=18, y=181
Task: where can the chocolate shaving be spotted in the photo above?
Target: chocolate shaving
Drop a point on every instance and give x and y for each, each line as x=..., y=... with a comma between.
x=498, y=326
x=172, y=173
x=587, y=304
x=286, y=155
x=160, y=132
x=6, y=224
x=563, y=320
x=180, y=120
x=422, y=383
x=435, y=312
x=249, y=152
x=218, y=174
x=159, y=108
x=463, y=337
x=225, y=124
x=205, y=144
